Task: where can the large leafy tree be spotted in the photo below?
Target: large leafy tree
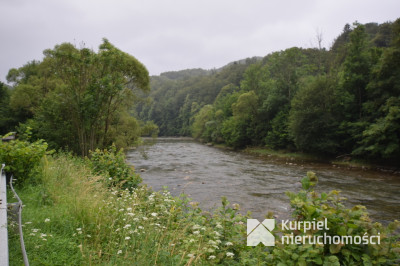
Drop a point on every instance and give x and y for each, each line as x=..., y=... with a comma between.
x=78, y=95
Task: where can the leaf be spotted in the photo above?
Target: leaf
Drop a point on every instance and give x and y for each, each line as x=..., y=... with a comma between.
x=341, y=231
x=305, y=183
x=335, y=248
x=324, y=196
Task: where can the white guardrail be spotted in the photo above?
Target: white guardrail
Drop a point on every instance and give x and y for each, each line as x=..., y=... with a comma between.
x=3, y=219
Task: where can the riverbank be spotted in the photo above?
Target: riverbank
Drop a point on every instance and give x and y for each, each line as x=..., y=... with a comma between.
x=74, y=215
x=299, y=158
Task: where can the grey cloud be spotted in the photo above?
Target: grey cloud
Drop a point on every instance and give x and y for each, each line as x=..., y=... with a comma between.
x=171, y=35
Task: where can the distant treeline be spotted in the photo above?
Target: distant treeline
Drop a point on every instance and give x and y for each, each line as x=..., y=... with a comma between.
x=345, y=100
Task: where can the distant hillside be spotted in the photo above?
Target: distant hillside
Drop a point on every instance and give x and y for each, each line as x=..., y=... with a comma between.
x=337, y=101
x=185, y=74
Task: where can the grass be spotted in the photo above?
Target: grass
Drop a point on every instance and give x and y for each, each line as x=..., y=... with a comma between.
x=72, y=218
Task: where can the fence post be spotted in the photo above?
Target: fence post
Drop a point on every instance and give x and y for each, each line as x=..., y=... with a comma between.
x=3, y=219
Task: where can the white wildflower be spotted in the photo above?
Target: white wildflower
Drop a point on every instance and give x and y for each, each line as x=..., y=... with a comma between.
x=196, y=226
x=211, y=242
x=190, y=255
x=196, y=232
x=211, y=257
x=145, y=218
x=228, y=244
x=78, y=229
x=230, y=254
x=119, y=252
x=127, y=237
x=154, y=214
x=129, y=209
x=127, y=226
x=47, y=220
x=130, y=214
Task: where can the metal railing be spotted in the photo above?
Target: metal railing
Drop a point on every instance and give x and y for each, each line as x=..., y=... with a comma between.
x=4, y=207
x=3, y=219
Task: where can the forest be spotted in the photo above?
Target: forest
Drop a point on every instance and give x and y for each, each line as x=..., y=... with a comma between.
x=344, y=101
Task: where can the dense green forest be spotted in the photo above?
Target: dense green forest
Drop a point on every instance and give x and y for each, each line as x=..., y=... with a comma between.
x=341, y=101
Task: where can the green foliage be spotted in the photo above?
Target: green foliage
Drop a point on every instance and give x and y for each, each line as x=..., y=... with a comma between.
x=7, y=121
x=71, y=218
x=278, y=137
x=202, y=122
x=326, y=102
x=21, y=158
x=110, y=163
x=313, y=116
x=78, y=99
x=309, y=205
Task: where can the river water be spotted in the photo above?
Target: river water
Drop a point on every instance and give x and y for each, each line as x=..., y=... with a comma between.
x=257, y=184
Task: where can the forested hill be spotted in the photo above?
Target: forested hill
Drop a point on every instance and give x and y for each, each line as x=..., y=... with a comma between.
x=345, y=100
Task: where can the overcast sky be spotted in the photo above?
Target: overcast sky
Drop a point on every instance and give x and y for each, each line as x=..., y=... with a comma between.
x=170, y=35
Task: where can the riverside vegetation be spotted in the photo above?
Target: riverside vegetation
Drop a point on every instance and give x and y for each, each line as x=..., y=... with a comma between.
x=84, y=211
x=338, y=102
x=92, y=209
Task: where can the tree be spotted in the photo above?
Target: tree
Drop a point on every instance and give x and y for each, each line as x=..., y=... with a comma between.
x=76, y=98
x=7, y=122
x=94, y=86
x=381, y=138
x=356, y=69
x=312, y=121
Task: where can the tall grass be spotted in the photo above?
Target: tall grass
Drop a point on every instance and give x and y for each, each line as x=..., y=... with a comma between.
x=73, y=218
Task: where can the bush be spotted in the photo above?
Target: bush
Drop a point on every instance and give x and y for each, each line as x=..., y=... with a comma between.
x=309, y=205
x=21, y=158
x=111, y=164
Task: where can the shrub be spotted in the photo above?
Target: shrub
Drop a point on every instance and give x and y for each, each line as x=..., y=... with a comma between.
x=21, y=158
x=309, y=205
x=111, y=164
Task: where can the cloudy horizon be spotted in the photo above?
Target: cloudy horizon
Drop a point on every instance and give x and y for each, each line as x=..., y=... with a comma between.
x=174, y=35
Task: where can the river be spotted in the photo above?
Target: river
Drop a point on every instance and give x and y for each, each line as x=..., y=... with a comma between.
x=257, y=184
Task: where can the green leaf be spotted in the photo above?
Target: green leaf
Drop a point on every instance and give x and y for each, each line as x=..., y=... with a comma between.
x=305, y=183
x=335, y=248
